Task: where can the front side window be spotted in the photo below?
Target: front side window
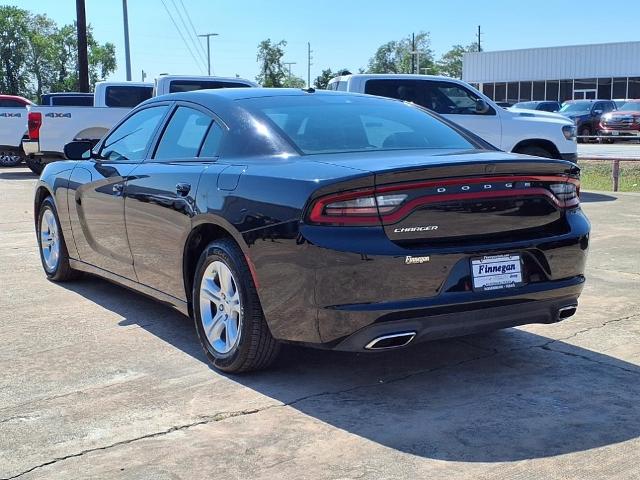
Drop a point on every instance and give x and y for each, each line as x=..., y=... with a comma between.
x=131, y=139
x=184, y=134
x=333, y=124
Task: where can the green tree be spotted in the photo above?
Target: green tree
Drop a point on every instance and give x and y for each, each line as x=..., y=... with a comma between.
x=41, y=53
x=396, y=56
x=291, y=81
x=450, y=64
x=322, y=81
x=14, y=28
x=272, y=72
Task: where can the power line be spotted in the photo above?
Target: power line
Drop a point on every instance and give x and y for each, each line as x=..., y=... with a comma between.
x=193, y=29
x=182, y=37
x=194, y=40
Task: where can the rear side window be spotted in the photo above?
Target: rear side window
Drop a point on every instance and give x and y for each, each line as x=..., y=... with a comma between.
x=341, y=86
x=211, y=145
x=121, y=96
x=183, y=135
x=440, y=96
x=191, y=85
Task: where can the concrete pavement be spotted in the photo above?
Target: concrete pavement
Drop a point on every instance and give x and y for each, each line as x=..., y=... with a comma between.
x=99, y=382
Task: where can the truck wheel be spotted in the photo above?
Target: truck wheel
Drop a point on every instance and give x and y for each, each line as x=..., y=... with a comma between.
x=584, y=132
x=35, y=165
x=10, y=158
x=53, y=249
x=535, y=151
x=227, y=311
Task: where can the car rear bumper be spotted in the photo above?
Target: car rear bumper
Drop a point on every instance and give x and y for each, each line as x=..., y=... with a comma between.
x=463, y=314
x=31, y=147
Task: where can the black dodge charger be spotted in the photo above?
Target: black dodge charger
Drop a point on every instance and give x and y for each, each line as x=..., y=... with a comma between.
x=335, y=220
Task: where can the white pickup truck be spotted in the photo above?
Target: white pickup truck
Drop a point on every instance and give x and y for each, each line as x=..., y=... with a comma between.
x=50, y=128
x=13, y=127
x=529, y=132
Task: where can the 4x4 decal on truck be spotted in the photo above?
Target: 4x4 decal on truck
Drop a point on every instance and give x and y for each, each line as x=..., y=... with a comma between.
x=10, y=115
x=58, y=115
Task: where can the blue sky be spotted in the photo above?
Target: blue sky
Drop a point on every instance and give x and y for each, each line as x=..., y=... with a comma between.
x=342, y=34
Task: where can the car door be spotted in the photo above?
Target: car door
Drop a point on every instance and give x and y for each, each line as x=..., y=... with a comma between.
x=160, y=196
x=96, y=208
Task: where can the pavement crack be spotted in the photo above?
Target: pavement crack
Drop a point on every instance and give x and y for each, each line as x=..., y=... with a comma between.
x=589, y=359
x=227, y=415
x=204, y=420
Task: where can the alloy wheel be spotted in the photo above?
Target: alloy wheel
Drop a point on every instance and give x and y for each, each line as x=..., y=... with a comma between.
x=220, y=307
x=49, y=240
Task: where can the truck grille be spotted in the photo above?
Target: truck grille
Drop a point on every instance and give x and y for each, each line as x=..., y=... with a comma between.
x=618, y=123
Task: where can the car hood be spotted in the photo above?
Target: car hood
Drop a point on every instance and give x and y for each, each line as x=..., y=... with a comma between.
x=538, y=115
x=623, y=113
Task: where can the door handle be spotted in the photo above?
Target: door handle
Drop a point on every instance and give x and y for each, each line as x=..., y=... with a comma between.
x=183, y=189
x=118, y=188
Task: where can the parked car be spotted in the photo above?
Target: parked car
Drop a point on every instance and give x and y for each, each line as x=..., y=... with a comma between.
x=269, y=215
x=50, y=129
x=67, y=99
x=543, y=105
x=534, y=133
x=624, y=122
x=620, y=102
x=13, y=128
x=586, y=115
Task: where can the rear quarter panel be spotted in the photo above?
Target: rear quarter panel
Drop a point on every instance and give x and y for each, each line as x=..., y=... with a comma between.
x=13, y=126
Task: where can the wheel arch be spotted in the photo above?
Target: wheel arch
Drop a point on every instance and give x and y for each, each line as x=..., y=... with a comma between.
x=205, y=230
x=42, y=192
x=538, y=142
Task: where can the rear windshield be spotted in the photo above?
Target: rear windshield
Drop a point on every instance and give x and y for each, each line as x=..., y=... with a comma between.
x=191, y=85
x=345, y=123
x=72, y=101
x=127, y=96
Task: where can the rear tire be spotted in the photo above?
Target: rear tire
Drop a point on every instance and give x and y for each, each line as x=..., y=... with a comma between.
x=535, y=151
x=10, y=158
x=227, y=312
x=35, y=165
x=53, y=249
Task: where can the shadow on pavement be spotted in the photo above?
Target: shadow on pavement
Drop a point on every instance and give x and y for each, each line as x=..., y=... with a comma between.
x=6, y=174
x=596, y=197
x=506, y=396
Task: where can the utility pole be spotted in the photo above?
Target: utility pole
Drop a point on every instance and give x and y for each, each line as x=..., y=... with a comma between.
x=308, y=65
x=127, y=53
x=479, y=34
x=288, y=64
x=83, y=60
x=208, y=35
x=417, y=60
x=413, y=59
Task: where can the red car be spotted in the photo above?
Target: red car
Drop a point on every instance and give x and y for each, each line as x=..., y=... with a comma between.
x=623, y=122
x=9, y=101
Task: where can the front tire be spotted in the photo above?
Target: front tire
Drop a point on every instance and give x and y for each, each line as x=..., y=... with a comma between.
x=536, y=151
x=53, y=249
x=228, y=316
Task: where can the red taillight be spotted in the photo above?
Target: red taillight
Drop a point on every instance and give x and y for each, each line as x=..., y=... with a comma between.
x=34, y=123
x=391, y=203
x=361, y=207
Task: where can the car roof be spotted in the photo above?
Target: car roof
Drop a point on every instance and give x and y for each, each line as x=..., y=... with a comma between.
x=232, y=94
x=590, y=100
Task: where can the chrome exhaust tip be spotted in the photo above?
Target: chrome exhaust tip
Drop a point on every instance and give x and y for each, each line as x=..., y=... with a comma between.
x=386, y=342
x=566, y=312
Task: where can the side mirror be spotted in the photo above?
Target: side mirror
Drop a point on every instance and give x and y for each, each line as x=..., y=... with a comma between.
x=597, y=112
x=78, y=150
x=481, y=107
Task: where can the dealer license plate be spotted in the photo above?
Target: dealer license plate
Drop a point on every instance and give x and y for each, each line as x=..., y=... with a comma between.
x=496, y=272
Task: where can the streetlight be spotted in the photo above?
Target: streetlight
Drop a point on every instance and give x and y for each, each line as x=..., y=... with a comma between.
x=208, y=35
